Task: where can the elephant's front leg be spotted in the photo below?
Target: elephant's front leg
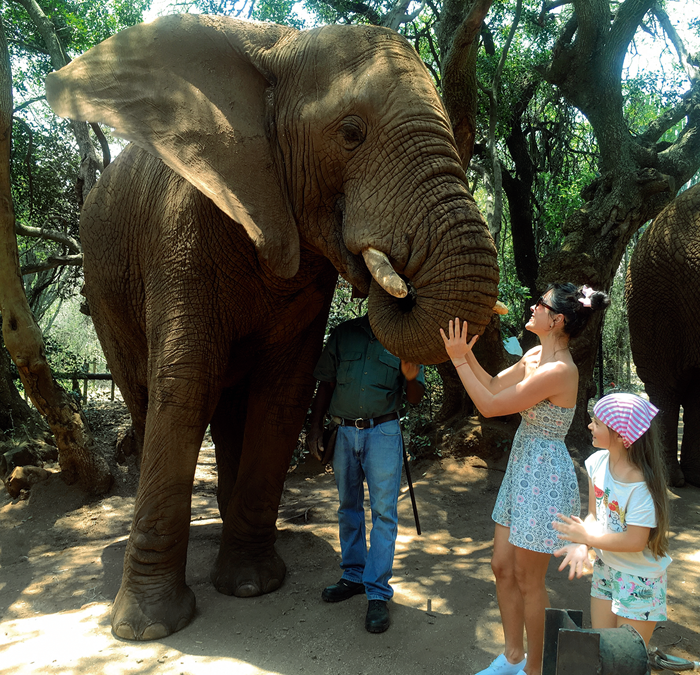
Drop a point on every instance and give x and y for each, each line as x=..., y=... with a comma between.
x=153, y=600
x=248, y=564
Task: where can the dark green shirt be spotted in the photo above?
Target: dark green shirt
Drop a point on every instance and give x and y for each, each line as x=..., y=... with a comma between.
x=368, y=378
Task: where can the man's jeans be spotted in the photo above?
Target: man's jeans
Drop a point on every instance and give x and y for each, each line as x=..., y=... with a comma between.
x=375, y=455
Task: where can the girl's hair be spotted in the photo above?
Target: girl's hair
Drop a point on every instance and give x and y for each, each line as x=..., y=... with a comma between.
x=565, y=300
x=645, y=453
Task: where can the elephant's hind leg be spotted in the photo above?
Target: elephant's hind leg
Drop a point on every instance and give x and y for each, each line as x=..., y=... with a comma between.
x=248, y=564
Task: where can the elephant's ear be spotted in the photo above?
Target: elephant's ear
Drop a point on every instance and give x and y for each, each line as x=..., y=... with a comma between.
x=186, y=89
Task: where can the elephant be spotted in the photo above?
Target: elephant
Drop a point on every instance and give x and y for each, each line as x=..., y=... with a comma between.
x=665, y=340
x=264, y=161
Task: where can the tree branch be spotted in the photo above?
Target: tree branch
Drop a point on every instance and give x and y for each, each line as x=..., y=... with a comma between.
x=52, y=262
x=26, y=104
x=690, y=68
x=30, y=47
x=106, y=153
x=670, y=118
x=398, y=15
x=51, y=235
x=627, y=20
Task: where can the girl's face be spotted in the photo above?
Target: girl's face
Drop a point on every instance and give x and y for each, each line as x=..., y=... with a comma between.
x=601, y=433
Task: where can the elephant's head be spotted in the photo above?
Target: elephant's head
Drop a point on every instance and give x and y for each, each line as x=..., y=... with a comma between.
x=333, y=139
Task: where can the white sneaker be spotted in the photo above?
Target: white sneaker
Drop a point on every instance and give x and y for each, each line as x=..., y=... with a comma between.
x=502, y=666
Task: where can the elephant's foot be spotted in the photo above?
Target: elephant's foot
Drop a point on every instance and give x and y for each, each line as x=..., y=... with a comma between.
x=245, y=576
x=146, y=616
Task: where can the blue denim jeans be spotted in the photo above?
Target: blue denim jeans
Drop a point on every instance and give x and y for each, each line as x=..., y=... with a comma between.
x=374, y=455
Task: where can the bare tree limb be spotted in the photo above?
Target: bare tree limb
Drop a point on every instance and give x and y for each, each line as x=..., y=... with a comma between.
x=670, y=118
x=398, y=14
x=690, y=68
x=627, y=20
x=52, y=262
x=51, y=235
x=26, y=104
x=106, y=152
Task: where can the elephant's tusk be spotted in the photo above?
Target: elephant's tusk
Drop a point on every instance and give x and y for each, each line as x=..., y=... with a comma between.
x=500, y=308
x=383, y=273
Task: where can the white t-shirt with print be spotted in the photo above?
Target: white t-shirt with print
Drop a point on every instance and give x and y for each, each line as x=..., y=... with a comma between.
x=618, y=505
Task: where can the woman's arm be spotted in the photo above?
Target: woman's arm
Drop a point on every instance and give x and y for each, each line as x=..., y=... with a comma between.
x=514, y=392
x=506, y=378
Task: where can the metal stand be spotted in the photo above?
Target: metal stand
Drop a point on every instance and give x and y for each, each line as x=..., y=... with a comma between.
x=572, y=650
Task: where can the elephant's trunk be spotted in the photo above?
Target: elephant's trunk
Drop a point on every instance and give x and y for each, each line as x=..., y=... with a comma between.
x=458, y=278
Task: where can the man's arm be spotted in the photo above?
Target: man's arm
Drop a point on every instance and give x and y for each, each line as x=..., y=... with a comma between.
x=319, y=408
x=414, y=388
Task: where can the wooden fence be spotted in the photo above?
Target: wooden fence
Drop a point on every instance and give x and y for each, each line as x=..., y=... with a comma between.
x=75, y=377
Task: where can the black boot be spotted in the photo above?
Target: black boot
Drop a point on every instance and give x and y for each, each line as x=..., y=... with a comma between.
x=377, y=620
x=343, y=590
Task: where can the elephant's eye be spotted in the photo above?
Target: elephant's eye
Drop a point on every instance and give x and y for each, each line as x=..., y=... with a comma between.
x=351, y=132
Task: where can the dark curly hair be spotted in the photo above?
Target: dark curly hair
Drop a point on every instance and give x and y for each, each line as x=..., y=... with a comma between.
x=565, y=300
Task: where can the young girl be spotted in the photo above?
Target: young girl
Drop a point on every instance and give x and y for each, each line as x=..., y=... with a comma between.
x=540, y=479
x=627, y=522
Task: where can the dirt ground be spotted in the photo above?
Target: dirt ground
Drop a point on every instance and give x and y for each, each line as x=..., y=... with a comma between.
x=61, y=556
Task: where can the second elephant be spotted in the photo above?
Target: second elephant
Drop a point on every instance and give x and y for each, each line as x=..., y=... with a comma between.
x=664, y=318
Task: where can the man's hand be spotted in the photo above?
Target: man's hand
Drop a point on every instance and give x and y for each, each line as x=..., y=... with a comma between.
x=314, y=442
x=409, y=370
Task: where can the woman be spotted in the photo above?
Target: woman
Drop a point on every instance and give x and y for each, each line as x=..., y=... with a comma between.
x=540, y=479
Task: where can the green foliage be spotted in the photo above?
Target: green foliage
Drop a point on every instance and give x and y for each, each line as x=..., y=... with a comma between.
x=44, y=166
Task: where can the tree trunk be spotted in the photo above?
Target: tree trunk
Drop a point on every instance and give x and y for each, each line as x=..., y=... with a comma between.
x=78, y=457
x=14, y=412
x=458, y=33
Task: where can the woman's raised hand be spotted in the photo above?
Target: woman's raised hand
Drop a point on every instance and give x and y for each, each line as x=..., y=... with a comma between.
x=455, y=341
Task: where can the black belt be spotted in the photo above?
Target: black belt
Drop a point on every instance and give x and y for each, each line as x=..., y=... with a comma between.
x=360, y=423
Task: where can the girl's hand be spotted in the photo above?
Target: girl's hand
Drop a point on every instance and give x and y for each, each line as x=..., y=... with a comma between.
x=456, y=343
x=576, y=557
x=571, y=529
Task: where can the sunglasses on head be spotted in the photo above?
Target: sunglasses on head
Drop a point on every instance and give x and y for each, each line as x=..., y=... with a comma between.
x=540, y=301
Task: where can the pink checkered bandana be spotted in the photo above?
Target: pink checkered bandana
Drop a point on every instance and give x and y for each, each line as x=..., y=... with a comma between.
x=627, y=414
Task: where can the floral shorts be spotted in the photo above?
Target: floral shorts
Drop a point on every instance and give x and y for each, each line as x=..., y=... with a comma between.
x=636, y=598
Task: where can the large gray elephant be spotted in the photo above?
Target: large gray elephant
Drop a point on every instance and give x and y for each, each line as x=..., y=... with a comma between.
x=663, y=304
x=264, y=162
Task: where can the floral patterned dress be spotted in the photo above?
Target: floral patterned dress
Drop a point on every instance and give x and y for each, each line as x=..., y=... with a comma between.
x=540, y=480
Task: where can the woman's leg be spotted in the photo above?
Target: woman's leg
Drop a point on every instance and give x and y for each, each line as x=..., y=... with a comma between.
x=530, y=571
x=510, y=602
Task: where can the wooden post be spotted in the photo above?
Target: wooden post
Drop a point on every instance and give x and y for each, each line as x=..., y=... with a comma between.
x=111, y=396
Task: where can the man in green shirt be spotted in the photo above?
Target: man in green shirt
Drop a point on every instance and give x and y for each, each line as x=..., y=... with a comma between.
x=362, y=385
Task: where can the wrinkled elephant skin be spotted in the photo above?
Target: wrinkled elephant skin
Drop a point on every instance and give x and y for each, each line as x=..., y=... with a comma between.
x=264, y=162
x=663, y=305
